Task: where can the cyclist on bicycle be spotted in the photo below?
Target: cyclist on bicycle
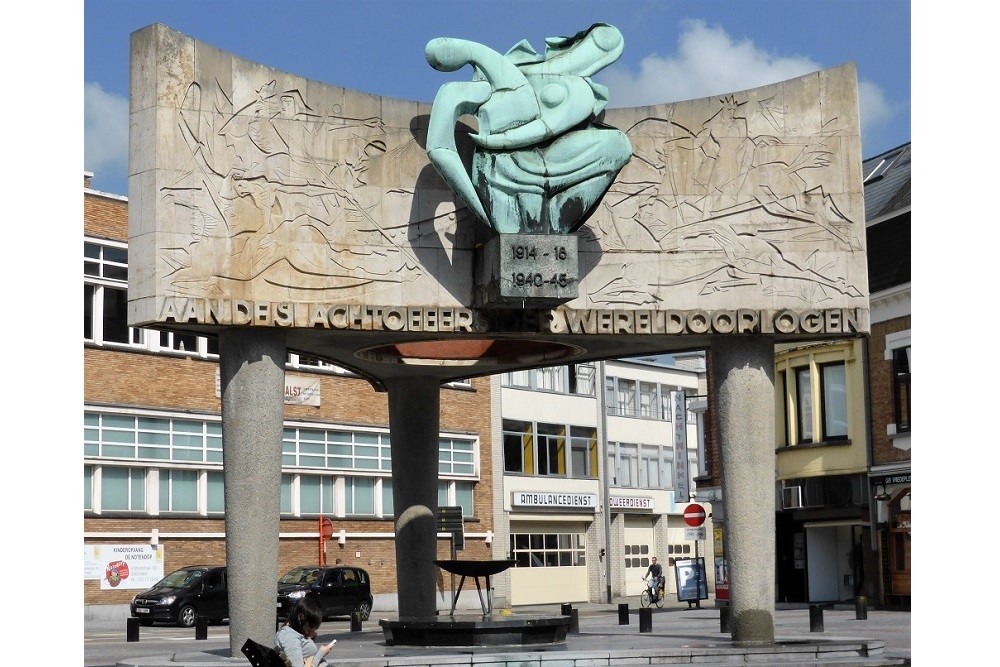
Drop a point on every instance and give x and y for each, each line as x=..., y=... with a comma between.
x=655, y=573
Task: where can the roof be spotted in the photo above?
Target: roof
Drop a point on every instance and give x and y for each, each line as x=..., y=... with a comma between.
x=887, y=182
x=887, y=210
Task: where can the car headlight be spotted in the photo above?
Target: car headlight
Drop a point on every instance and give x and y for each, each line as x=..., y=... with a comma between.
x=295, y=595
x=168, y=600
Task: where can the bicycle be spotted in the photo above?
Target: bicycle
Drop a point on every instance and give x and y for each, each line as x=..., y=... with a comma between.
x=645, y=599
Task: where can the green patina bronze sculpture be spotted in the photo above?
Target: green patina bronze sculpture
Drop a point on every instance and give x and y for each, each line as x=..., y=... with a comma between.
x=542, y=161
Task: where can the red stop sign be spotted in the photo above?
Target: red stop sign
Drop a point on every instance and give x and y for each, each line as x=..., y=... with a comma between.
x=694, y=515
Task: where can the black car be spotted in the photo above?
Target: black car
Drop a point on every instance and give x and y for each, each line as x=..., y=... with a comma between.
x=339, y=589
x=184, y=594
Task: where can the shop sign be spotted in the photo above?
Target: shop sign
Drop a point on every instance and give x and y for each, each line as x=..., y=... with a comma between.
x=299, y=390
x=549, y=499
x=631, y=503
x=891, y=479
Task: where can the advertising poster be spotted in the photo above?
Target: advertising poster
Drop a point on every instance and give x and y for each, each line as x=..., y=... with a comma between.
x=721, y=571
x=692, y=584
x=120, y=566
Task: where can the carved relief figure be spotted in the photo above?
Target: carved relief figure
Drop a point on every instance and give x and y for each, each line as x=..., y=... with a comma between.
x=541, y=161
x=749, y=204
x=287, y=198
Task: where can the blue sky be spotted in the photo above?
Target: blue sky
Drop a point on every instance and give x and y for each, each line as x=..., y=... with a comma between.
x=673, y=50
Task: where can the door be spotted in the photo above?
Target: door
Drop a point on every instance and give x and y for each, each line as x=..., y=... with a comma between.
x=214, y=599
x=637, y=552
x=330, y=593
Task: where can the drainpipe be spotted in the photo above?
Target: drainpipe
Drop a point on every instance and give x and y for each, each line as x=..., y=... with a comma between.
x=607, y=473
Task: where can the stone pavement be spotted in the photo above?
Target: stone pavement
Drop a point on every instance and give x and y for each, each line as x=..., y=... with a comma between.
x=679, y=635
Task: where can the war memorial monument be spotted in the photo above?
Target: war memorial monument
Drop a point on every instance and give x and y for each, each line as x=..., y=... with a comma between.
x=514, y=223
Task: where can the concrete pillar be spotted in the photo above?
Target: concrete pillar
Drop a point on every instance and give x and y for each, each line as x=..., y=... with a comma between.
x=414, y=429
x=253, y=387
x=743, y=370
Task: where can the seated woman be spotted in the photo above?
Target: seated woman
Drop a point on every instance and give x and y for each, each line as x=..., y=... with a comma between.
x=296, y=637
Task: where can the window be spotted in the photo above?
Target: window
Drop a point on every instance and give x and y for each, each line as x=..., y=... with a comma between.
x=457, y=457
x=316, y=494
x=518, y=447
x=803, y=394
x=551, y=449
x=582, y=379
x=833, y=389
x=88, y=487
x=647, y=400
x=338, y=449
x=178, y=490
x=215, y=492
x=626, y=397
x=813, y=383
x=583, y=452
x=463, y=497
x=901, y=388
x=387, y=504
x=360, y=495
x=112, y=435
x=649, y=467
x=547, y=549
x=123, y=489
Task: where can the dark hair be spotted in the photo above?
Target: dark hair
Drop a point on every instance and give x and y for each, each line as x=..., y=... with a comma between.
x=305, y=615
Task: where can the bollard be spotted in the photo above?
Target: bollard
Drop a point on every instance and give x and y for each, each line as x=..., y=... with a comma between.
x=355, y=621
x=646, y=620
x=565, y=609
x=200, y=627
x=574, y=621
x=623, y=613
x=815, y=618
x=131, y=629
x=861, y=608
x=724, y=619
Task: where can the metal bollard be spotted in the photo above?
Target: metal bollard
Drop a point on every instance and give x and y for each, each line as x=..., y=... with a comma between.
x=815, y=618
x=646, y=620
x=200, y=627
x=724, y=619
x=131, y=629
x=565, y=609
x=623, y=613
x=355, y=621
x=861, y=608
x=574, y=621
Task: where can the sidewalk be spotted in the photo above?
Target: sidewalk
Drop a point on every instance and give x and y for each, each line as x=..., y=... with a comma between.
x=679, y=635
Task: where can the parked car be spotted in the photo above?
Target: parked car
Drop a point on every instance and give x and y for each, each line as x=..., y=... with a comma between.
x=340, y=589
x=184, y=594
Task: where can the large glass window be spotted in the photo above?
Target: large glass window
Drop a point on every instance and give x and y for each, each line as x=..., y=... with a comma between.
x=388, y=508
x=463, y=497
x=215, y=492
x=457, y=457
x=626, y=397
x=901, y=388
x=649, y=466
x=647, y=400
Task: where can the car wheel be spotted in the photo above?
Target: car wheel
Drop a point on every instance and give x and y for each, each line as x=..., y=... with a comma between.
x=185, y=617
x=365, y=607
x=145, y=621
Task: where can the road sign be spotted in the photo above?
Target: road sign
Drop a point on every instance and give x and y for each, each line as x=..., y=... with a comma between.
x=694, y=515
x=449, y=519
x=694, y=534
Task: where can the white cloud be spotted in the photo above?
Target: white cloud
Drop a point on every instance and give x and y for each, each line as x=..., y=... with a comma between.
x=105, y=132
x=709, y=62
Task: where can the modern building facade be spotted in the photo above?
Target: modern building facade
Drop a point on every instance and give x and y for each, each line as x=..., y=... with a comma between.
x=588, y=492
x=152, y=449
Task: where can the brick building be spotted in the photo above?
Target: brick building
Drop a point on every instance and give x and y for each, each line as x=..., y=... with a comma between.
x=153, y=447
